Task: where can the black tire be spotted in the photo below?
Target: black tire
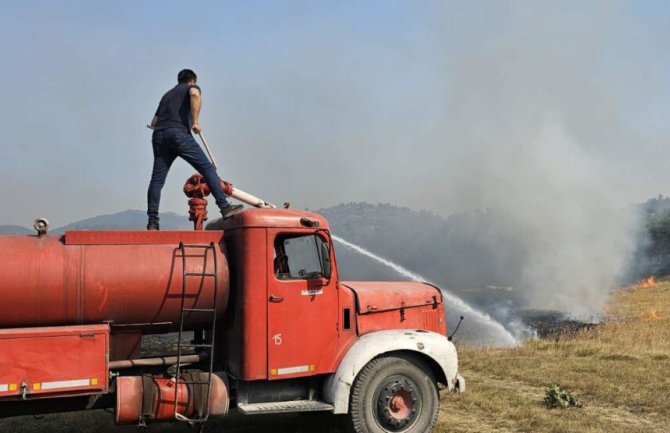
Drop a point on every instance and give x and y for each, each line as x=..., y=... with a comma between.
x=393, y=395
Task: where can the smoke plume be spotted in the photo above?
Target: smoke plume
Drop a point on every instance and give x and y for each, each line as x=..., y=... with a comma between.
x=536, y=152
x=534, y=133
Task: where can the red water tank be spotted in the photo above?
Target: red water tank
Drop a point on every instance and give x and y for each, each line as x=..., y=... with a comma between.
x=123, y=277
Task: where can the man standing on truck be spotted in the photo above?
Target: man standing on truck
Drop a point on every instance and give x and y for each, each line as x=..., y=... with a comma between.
x=175, y=118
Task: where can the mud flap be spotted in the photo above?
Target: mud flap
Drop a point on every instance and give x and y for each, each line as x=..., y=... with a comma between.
x=459, y=384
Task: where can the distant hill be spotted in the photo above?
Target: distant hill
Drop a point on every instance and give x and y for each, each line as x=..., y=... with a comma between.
x=128, y=220
x=452, y=252
x=398, y=233
x=14, y=230
x=457, y=251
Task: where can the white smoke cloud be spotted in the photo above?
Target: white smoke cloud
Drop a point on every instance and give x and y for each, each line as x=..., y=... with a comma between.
x=533, y=131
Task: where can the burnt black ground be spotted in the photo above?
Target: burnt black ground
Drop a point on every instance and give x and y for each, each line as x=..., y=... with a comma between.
x=550, y=324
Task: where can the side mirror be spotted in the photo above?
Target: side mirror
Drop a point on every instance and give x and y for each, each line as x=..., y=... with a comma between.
x=325, y=261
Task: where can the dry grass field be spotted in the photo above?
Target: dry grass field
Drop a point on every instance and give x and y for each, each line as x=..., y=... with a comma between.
x=619, y=372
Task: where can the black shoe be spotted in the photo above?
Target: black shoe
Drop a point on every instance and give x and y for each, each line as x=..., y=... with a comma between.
x=230, y=210
x=153, y=225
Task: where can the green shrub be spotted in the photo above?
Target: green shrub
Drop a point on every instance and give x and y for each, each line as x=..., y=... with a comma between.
x=555, y=397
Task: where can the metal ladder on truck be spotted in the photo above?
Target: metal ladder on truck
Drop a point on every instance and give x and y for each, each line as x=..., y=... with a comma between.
x=207, y=347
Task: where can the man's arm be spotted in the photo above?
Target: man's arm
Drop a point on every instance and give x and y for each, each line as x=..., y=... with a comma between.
x=196, y=103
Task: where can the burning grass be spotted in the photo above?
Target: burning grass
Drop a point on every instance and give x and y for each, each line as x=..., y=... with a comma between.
x=618, y=370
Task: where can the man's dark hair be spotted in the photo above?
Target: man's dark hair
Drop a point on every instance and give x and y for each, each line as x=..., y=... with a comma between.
x=186, y=75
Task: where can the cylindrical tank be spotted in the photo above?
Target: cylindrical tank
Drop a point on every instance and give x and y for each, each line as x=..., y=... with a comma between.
x=118, y=277
x=152, y=398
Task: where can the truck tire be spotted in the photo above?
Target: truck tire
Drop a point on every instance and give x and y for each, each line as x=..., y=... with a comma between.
x=393, y=395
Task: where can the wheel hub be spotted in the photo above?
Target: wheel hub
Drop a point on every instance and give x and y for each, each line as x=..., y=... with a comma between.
x=401, y=405
x=398, y=403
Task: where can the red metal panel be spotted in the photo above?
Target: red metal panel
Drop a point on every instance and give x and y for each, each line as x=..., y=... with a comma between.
x=346, y=336
x=53, y=361
x=143, y=283
x=425, y=318
x=384, y=296
x=398, y=305
x=245, y=329
x=102, y=237
x=269, y=218
x=31, y=288
x=254, y=304
x=302, y=328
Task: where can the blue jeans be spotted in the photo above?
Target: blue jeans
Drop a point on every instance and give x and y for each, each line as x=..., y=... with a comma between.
x=168, y=144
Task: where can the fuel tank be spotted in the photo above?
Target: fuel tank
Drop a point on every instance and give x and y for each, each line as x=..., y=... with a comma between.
x=120, y=277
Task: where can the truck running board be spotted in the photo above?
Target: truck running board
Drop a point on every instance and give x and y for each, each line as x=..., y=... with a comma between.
x=285, y=407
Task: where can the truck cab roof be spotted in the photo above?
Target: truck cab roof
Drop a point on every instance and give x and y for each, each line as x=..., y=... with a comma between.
x=278, y=218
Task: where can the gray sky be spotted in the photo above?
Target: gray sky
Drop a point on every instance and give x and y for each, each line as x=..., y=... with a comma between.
x=438, y=105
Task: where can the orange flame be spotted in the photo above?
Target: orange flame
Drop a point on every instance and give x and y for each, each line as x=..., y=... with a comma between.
x=650, y=315
x=648, y=282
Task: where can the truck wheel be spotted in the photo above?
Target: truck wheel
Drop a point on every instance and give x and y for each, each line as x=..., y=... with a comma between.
x=392, y=394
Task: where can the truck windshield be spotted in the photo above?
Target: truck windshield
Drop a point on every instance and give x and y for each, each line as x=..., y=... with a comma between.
x=298, y=257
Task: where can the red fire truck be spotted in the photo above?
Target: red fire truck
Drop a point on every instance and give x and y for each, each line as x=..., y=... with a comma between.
x=263, y=325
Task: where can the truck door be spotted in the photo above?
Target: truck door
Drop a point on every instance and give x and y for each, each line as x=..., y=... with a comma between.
x=302, y=305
